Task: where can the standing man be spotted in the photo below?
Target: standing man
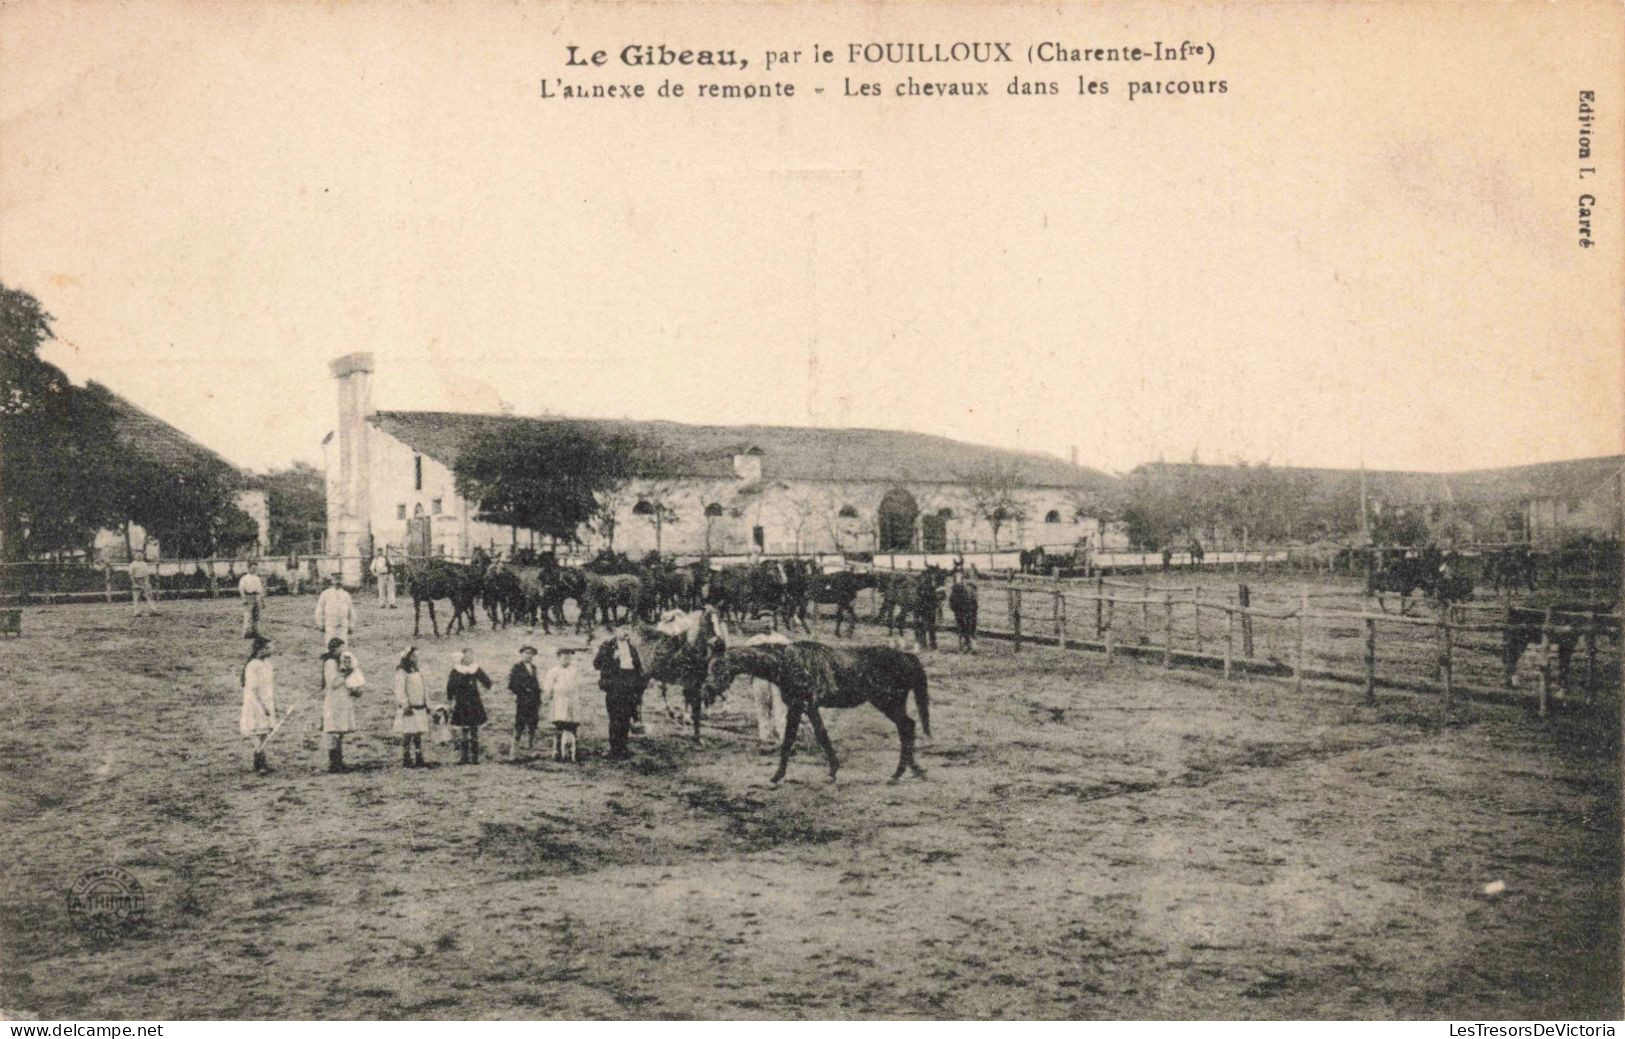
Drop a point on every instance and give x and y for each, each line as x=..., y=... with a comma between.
x=384, y=576
x=962, y=602
x=335, y=612
x=251, y=589
x=141, y=585
x=925, y=611
x=620, y=676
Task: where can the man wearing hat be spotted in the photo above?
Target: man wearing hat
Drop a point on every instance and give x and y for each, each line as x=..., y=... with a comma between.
x=335, y=612
x=527, y=698
x=620, y=676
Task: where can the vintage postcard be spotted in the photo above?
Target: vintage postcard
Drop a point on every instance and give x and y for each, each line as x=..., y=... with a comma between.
x=775, y=510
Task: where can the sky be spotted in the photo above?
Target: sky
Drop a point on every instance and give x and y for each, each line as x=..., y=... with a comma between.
x=1364, y=250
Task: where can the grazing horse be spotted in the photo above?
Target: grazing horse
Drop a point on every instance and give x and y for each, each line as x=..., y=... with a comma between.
x=431, y=579
x=810, y=675
x=841, y=589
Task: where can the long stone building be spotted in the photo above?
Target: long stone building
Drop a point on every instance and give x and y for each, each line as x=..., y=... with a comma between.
x=735, y=489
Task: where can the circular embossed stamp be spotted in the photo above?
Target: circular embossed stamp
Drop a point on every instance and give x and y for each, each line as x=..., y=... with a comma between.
x=106, y=902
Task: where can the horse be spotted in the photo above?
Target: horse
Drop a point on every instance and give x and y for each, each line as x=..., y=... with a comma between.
x=606, y=593
x=810, y=675
x=1406, y=575
x=729, y=590
x=432, y=579
x=1525, y=625
x=841, y=589
x=798, y=574
x=1512, y=567
x=503, y=595
x=674, y=653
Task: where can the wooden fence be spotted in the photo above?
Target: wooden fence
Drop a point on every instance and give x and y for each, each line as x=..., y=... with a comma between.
x=1453, y=655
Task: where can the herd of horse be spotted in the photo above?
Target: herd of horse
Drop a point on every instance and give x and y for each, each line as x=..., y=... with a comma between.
x=612, y=589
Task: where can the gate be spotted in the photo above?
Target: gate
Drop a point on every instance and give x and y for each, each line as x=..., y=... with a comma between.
x=419, y=542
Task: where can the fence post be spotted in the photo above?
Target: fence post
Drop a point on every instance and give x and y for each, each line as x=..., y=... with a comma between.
x=1167, y=629
x=1244, y=597
x=1543, y=679
x=1145, y=611
x=1111, y=611
x=1015, y=613
x=1446, y=675
x=1303, y=619
x=1060, y=613
x=1370, y=662
x=1229, y=640
x=214, y=585
x=1197, y=596
x=107, y=580
x=1100, y=606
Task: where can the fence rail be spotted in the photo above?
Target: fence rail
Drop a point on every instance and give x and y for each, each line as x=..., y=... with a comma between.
x=1300, y=640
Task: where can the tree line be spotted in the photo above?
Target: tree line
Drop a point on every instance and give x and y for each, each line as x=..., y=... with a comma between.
x=66, y=473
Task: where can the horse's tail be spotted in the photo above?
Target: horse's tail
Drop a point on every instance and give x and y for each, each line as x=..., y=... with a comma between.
x=922, y=697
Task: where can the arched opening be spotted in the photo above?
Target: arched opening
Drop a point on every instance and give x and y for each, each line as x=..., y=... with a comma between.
x=713, y=511
x=848, y=512
x=934, y=532
x=898, y=510
x=1052, y=516
x=643, y=508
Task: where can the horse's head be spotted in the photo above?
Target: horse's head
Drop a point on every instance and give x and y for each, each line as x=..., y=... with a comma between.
x=719, y=671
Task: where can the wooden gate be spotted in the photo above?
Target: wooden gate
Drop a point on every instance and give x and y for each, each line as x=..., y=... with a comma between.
x=419, y=539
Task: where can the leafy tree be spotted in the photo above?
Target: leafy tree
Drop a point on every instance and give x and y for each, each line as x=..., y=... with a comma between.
x=553, y=477
x=190, y=510
x=297, y=499
x=1400, y=527
x=58, y=449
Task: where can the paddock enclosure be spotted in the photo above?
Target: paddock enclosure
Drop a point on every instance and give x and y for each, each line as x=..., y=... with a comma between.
x=1095, y=839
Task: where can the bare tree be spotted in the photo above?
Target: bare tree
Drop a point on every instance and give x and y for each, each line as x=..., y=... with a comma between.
x=994, y=490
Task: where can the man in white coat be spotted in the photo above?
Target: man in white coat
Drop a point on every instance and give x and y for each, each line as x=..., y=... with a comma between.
x=385, y=579
x=335, y=612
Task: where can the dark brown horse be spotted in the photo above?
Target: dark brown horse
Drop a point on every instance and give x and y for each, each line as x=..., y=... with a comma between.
x=427, y=580
x=810, y=675
x=841, y=589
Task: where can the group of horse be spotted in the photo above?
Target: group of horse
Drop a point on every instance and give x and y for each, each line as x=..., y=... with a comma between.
x=612, y=589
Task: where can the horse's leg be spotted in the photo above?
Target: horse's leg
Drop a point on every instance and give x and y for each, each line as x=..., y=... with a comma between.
x=792, y=723
x=433, y=621
x=417, y=615
x=823, y=739
x=696, y=703
x=893, y=707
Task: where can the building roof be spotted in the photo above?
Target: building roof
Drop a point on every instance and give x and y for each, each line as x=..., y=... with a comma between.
x=787, y=452
x=157, y=440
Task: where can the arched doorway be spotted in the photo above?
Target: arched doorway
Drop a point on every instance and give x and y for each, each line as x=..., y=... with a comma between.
x=898, y=510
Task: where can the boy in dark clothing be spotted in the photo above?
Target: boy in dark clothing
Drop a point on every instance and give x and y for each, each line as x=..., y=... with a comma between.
x=620, y=676
x=527, y=698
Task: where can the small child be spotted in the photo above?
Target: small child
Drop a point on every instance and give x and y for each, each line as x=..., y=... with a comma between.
x=463, y=687
x=560, y=684
x=527, y=699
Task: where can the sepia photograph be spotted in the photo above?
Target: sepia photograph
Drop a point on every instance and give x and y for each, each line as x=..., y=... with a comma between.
x=741, y=510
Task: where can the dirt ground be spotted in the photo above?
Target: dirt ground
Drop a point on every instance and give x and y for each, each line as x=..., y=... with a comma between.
x=1090, y=843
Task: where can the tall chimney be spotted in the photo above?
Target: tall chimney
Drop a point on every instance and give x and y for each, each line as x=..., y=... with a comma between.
x=354, y=512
